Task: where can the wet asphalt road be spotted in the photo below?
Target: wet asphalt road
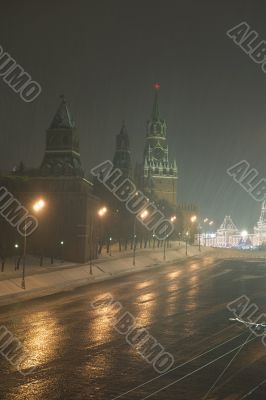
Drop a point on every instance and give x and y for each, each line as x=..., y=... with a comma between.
x=78, y=354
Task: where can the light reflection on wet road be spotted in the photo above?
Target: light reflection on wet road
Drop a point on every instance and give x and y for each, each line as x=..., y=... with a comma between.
x=79, y=355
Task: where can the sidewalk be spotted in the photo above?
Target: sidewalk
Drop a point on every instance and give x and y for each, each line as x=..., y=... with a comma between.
x=33, y=263
x=42, y=281
x=59, y=277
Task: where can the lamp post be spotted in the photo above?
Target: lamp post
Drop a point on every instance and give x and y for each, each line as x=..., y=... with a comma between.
x=210, y=224
x=193, y=219
x=101, y=212
x=134, y=236
x=186, y=241
x=37, y=207
x=205, y=221
x=199, y=236
x=143, y=215
x=172, y=219
x=110, y=246
x=16, y=246
x=164, y=248
x=134, y=241
x=62, y=246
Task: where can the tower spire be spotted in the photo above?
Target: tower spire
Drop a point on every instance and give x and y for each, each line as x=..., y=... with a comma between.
x=62, y=156
x=155, y=108
x=122, y=157
x=63, y=118
x=123, y=130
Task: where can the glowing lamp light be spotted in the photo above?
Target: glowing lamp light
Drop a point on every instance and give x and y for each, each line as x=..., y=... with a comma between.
x=173, y=218
x=16, y=246
x=39, y=205
x=244, y=234
x=193, y=218
x=102, y=211
x=144, y=214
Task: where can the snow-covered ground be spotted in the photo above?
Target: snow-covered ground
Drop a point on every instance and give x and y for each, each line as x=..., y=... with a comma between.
x=48, y=279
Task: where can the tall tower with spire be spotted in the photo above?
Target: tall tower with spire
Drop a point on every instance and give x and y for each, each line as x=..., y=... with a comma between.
x=122, y=156
x=62, y=156
x=159, y=172
x=260, y=228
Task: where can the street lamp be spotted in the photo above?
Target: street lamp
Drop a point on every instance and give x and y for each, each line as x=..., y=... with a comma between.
x=37, y=207
x=101, y=213
x=143, y=215
x=172, y=219
x=164, y=248
x=186, y=241
x=206, y=222
x=16, y=246
x=134, y=241
x=194, y=219
x=210, y=224
x=199, y=235
x=110, y=246
x=62, y=245
x=134, y=236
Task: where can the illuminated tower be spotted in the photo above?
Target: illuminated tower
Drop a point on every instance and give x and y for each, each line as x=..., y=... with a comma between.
x=62, y=156
x=160, y=174
x=260, y=229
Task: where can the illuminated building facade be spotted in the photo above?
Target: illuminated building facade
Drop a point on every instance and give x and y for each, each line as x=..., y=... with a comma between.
x=228, y=235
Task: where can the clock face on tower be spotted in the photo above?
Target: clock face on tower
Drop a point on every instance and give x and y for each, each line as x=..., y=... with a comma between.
x=158, y=153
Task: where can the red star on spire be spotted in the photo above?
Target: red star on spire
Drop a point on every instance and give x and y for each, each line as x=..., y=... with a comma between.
x=156, y=86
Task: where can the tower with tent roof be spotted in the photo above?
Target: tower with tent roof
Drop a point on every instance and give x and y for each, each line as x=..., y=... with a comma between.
x=62, y=154
x=159, y=171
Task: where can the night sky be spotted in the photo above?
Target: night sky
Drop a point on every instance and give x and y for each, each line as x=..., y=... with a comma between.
x=104, y=55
